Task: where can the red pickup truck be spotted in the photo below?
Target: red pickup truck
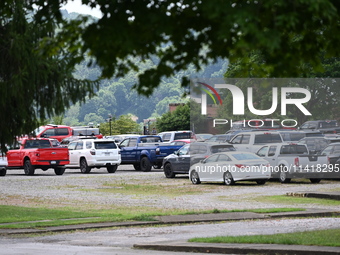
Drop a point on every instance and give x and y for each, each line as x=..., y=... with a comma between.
x=61, y=132
x=38, y=153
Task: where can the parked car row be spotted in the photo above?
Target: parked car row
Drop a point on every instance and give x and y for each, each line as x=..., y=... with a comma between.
x=287, y=160
x=180, y=161
x=187, y=153
x=86, y=153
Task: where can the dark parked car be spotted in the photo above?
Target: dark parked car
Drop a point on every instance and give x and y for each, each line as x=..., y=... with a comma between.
x=324, y=126
x=203, y=137
x=219, y=138
x=292, y=136
x=180, y=161
x=316, y=144
x=333, y=152
x=231, y=133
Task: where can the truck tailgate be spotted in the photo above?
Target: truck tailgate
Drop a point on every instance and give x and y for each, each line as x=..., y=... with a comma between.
x=107, y=155
x=309, y=161
x=56, y=153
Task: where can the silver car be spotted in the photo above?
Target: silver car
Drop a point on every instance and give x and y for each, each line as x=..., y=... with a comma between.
x=230, y=167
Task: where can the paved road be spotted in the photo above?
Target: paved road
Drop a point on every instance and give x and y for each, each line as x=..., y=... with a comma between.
x=120, y=241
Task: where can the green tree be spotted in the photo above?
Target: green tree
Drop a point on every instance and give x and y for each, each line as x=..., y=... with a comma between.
x=36, y=66
x=177, y=34
x=33, y=85
x=123, y=125
x=176, y=120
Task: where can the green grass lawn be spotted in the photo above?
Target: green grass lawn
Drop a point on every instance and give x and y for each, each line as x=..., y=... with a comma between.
x=329, y=237
x=290, y=200
x=29, y=217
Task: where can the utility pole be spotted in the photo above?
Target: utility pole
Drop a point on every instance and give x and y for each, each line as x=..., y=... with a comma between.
x=109, y=120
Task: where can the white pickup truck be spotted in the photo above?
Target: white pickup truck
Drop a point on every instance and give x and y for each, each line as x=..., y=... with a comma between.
x=253, y=141
x=292, y=160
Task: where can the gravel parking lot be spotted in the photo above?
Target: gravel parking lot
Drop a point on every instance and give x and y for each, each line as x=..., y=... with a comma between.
x=128, y=187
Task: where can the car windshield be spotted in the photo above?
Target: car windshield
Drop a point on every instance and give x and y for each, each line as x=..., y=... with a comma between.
x=85, y=131
x=37, y=144
x=244, y=156
x=105, y=145
x=179, y=136
x=267, y=138
x=221, y=148
x=294, y=149
x=293, y=136
x=38, y=130
x=184, y=150
x=152, y=139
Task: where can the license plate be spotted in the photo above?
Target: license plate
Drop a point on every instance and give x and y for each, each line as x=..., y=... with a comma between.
x=53, y=162
x=107, y=153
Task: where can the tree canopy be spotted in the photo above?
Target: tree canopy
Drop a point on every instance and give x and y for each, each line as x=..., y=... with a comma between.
x=36, y=63
x=175, y=34
x=33, y=85
x=179, y=119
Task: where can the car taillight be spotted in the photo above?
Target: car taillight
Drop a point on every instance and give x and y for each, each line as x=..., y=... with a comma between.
x=328, y=161
x=239, y=165
x=296, y=162
x=93, y=152
x=158, y=151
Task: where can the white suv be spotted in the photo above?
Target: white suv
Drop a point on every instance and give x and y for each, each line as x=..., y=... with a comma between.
x=88, y=153
x=3, y=164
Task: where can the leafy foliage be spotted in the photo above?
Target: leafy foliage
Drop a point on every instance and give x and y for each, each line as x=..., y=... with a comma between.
x=289, y=33
x=179, y=119
x=123, y=125
x=33, y=85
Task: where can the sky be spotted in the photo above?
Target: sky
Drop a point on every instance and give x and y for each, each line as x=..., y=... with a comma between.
x=76, y=6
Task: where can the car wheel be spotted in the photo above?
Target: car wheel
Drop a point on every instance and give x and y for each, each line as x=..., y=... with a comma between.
x=28, y=168
x=283, y=174
x=168, y=171
x=111, y=168
x=315, y=180
x=3, y=172
x=145, y=164
x=194, y=177
x=137, y=167
x=261, y=182
x=228, y=179
x=84, y=168
x=59, y=170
